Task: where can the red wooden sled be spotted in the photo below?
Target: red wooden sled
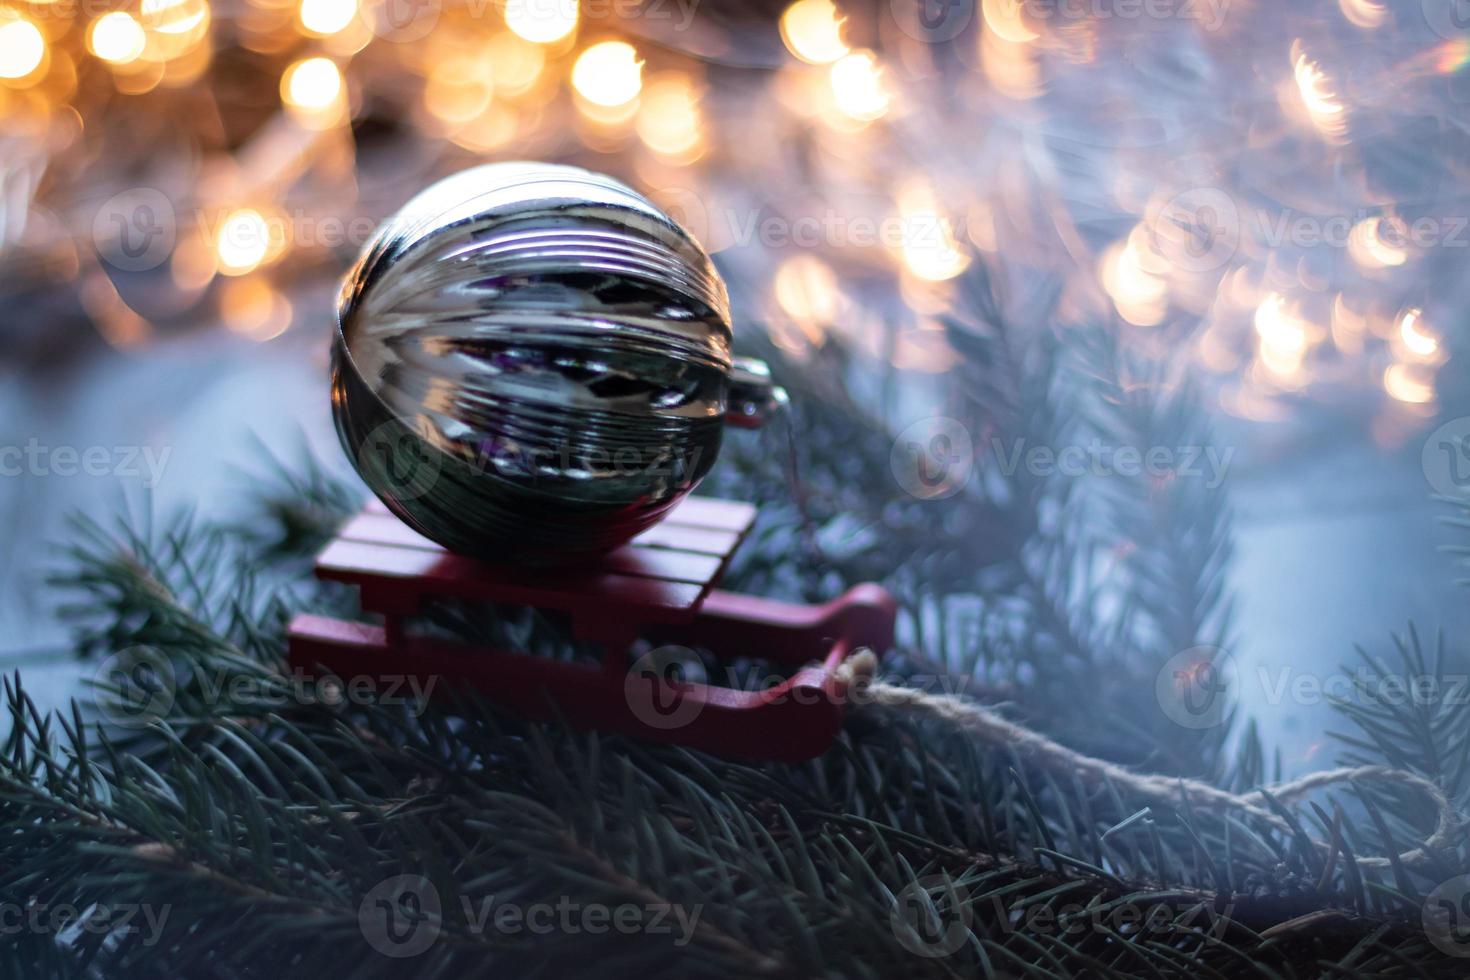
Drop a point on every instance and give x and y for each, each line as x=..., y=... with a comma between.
x=660, y=586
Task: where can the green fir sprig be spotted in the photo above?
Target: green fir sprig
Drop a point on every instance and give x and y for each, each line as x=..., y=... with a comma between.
x=257, y=833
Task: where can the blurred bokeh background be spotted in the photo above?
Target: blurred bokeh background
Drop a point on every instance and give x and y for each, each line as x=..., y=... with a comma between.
x=1266, y=198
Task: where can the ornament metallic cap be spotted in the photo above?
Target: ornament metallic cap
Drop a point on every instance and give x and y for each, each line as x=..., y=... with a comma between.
x=532, y=362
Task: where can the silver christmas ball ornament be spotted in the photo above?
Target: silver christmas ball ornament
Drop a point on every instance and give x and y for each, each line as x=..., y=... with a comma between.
x=532, y=362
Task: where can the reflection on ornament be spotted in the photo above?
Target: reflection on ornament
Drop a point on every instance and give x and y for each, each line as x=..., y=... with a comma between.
x=534, y=361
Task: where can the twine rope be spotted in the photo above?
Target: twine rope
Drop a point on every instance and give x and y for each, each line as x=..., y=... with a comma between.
x=860, y=672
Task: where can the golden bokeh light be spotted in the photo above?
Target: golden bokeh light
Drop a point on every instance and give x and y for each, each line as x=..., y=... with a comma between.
x=541, y=21
x=1132, y=274
x=807, y=291
x=174, y=27
x=812, y=30
x=1363, y=13
x=117, y=38
x=492, y=130
x=1013, y=68
x=929, y=248
x=22, y=46
x=1322, y=103
x=1285, y=338
x=608, y=74
x=177, y=17
x=1408, y=383
x=314, y=92
x=242, y=242
x=1005, y=18
x=143, y=75
x=314, y=83
x=327, y=17
x=459, y=89
x=668, y=120
x=1370, y=249
x=1417, y=340
x=526, y=78
x=857, y=87
x=253, y=308
x=518, y=63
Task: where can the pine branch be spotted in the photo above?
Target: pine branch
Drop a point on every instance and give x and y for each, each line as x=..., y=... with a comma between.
x=267, y=823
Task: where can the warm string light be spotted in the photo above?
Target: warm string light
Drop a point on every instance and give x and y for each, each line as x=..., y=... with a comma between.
x=1368, y=247
x=517, y=64
x=928, y=246
x=250, y=306
x=608, y=74
x=1006, y=19
x=242, y=242
x=541, y=21
x=314, y=92
x=488, y=82
x=1366, y=14
x=174, y=28
x=806, y=290
x=1132, y=274
x=1417, y=340
x=1285, y=339
x=668, y=119
x=1322, y=103
x=327, y=17
x=1409, y=383
x=459, y=89
x=812, y=30
x=22, y=46
x=858, y=88
x=117, y=38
